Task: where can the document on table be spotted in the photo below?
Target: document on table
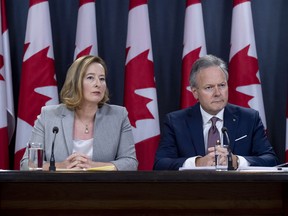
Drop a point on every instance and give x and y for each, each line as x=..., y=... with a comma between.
x=102, y=168
x=263, y=169
x=243, y=169
x=198, y=168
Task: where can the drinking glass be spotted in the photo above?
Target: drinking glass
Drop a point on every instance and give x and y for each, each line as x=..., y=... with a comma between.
x=221, y=158
x=35, y=156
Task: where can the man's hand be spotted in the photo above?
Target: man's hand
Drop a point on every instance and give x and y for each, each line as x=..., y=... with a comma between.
x=207, y=160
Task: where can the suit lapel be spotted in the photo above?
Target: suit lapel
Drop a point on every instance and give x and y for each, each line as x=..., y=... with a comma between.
x=195, y=124
x=231, y=119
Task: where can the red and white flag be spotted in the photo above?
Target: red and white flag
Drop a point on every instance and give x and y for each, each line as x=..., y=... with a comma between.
x=244, y=77
x=194, y=47
x=286, y=131
x=140, y=97
x=38, y=80
x=7, y=117
x=86, y=33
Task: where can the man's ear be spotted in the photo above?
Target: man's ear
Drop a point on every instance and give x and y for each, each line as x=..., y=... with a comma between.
x=194, y=92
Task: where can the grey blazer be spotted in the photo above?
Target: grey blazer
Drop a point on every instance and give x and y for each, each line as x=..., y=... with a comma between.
x=113, y=139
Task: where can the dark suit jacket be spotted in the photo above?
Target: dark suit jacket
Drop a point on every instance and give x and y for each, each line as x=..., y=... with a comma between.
x=182, y=137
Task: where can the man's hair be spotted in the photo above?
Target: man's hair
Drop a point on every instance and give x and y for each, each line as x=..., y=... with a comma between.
x=205, y=62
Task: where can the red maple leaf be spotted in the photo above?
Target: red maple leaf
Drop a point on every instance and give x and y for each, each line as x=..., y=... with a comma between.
x=242, y=72
x=1, y=65
x=187, y=98
x=139, y=75
x=85, y=51
x=37, y=71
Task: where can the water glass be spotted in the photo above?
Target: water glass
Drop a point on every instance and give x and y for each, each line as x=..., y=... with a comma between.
x=35, y=156
x=221, y=158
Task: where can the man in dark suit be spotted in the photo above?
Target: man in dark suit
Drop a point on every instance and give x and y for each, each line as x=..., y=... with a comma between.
x=184, y=138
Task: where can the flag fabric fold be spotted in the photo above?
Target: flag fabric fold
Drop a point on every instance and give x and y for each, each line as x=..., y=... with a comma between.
x=140, y=97
x=244, y=76
x=194, y=46
x=38, y=85
x=7, y=116
x=86, y=33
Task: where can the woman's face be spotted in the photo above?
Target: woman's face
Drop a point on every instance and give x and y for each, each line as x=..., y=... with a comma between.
x=94, y=83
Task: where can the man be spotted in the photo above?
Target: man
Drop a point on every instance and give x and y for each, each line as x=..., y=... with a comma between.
x=184, y=139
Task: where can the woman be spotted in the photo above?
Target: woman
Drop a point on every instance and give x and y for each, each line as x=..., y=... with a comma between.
x=91, y=133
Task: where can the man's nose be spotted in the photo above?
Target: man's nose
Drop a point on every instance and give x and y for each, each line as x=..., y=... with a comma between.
x=216, y=90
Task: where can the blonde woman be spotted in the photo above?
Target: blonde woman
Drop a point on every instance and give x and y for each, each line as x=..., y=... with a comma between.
x=91, y=132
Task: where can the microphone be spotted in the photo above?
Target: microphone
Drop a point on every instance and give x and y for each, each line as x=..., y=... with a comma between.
x=52, y=159
x=230, y=162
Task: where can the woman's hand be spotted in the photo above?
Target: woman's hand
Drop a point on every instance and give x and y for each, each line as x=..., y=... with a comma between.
x=81, y=161
x=77, y=160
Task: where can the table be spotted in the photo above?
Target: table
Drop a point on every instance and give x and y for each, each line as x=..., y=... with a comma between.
x=198, y=192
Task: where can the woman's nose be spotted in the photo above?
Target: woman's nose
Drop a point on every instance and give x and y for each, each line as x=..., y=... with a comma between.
x=97, y=82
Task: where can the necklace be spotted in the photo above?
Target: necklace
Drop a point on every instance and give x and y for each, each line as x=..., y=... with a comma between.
x=86, y=131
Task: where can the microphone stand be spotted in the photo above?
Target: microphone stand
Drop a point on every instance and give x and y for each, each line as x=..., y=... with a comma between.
x=52, y=166
x=230, y=161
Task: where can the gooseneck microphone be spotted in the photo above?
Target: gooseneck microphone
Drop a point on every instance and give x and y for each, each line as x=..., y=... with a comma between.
x=52, y=166
x=230, y=162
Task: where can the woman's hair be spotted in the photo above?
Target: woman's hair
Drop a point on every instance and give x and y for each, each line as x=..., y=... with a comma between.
x=72, y=91
x=205, y=62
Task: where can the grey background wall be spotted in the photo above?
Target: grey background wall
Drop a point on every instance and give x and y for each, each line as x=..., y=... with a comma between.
x=270, y=19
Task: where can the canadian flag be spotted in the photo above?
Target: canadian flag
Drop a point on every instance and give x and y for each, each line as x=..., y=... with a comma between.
x=7, y=117
x=38, y=81
x=244, y=77
x=86, y=33
x=194, y=47
x=287, y=131
x=140, y=97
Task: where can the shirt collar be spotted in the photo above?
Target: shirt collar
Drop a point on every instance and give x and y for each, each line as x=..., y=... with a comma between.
x=206, y=116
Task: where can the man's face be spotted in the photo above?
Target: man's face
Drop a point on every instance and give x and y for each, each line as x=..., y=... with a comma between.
x=211, y=90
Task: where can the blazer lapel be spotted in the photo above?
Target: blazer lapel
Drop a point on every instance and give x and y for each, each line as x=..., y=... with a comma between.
x=99, y=130
x=67, y=124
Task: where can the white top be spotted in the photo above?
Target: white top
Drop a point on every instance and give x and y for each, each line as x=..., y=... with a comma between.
x=83, y=146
